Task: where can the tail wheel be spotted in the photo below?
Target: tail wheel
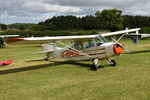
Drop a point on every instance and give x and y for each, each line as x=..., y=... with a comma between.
x=46, y=59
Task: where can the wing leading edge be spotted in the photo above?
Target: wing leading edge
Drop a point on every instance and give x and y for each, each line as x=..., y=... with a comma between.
x=74, y=37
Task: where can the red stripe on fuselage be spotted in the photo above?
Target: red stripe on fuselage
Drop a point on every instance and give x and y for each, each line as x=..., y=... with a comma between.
x=90, y=54
x=95, y=50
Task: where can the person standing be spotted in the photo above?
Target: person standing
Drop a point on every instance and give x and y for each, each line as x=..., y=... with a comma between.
x=134, y=39
x=2, y=42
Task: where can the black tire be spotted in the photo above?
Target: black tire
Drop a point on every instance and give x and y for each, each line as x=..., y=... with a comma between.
x=113, y=63
x=3, y=64
x=46, y=59
x=94, y=67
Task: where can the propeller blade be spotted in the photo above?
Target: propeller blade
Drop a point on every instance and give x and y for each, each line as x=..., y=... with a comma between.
x=124, y=48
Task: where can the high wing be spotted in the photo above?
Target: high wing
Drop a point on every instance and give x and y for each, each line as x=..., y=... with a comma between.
x=120, y=32
x=9, y=35
x=74, y=37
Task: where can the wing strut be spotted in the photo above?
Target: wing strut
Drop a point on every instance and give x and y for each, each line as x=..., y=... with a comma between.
x=76, y=50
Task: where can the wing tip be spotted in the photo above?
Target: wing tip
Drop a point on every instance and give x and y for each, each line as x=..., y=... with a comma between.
x=14, y=40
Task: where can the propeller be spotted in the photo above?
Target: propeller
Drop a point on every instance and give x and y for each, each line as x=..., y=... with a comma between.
x=116, y=41
x=123, y=48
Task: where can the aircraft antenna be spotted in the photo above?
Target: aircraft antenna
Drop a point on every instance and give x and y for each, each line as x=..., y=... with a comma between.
x=52, y=72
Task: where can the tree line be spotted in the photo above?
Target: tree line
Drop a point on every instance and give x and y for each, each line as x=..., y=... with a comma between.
x=107, y=19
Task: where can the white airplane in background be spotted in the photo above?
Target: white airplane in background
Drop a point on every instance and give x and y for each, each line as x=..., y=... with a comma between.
x=9, y=35
x=140, y=35
x=84, y=47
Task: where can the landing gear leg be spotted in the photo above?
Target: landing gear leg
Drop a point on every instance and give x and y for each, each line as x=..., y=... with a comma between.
x=111, y=62
x=47, y=56
x=95, y=64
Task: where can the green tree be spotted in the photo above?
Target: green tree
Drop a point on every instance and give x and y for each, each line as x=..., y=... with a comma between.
x=136, y=21
x=3, y=26
x=23, y=26
x=110, y=19
x=62, y=23
x=91, y=22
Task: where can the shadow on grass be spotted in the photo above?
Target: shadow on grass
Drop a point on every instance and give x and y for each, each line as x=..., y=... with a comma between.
x=135, y=52
x=37, y=60
x=28, y=68
x=54, y=64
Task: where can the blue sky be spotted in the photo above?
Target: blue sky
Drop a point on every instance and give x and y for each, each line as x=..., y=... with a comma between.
x=34, y=11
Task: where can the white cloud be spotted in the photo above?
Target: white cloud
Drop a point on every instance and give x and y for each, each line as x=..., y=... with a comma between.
x=40, y=10
x=43, y=7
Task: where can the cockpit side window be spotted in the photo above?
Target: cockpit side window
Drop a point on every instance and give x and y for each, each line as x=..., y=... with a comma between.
x=89, y=44
x=78, y=45
x=98, y=42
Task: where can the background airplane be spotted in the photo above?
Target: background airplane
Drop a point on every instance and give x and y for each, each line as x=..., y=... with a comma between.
x=9, y=35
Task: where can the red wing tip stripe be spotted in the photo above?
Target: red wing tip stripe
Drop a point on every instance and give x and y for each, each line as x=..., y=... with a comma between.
x=14, y=40
x=19, y=38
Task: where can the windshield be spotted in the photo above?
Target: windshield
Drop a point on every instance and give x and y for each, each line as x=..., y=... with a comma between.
x=101, y=38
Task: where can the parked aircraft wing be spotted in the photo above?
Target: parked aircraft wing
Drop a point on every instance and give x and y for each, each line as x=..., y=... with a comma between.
x=141, y=35
x=9, y=35
x=145, y=35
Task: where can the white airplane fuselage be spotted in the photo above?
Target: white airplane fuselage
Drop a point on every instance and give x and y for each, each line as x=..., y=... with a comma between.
x=104, y=51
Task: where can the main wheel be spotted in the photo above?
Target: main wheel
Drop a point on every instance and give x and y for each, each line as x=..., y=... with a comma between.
x=95, y=64
x=46, y=59
x=94, y=67
x=113, y=63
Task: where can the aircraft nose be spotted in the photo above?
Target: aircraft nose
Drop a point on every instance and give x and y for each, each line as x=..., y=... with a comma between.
x=118, y=49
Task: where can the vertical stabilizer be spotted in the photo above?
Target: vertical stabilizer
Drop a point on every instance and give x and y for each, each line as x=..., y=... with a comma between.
x=49, y=50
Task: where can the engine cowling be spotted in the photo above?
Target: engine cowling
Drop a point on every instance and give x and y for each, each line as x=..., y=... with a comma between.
x=118, y=49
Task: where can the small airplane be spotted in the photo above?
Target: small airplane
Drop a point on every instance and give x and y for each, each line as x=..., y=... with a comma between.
x=84, y=47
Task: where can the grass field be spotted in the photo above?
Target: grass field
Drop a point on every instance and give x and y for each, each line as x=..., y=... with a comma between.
x=31, y=78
